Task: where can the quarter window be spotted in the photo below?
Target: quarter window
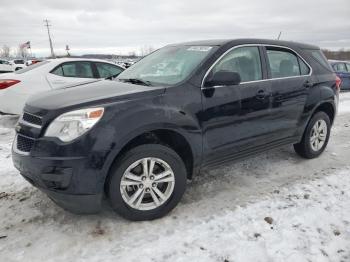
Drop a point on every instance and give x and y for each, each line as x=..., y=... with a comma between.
x=285, y=64
x=243, y=60
x=107, y=70
x=74, y=69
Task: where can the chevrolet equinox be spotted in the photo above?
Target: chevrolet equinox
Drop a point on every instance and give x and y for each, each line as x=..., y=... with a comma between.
x=179, y=110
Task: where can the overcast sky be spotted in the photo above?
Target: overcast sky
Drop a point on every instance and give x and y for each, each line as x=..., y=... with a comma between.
x=115, y=26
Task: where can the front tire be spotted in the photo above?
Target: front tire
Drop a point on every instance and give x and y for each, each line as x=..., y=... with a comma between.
x=146, y=182
x=316, y=136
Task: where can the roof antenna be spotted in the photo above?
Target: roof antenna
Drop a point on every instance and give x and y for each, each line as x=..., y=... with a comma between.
x=279, y=35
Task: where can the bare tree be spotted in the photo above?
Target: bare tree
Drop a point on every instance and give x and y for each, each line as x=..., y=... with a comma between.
x=22, y=52
x=5, y=51
x=145, y=50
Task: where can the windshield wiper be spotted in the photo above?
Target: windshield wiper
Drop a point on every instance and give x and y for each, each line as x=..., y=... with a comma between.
x=136, y=81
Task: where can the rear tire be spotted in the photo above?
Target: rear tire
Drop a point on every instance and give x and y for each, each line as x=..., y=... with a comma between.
x=316, y=136
x=137, y=194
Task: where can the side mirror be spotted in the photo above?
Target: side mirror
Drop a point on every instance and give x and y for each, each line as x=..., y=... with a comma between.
x=223, y=78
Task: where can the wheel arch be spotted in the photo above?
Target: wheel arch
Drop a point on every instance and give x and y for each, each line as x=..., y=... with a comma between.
x=328, y=107
x=175, y=139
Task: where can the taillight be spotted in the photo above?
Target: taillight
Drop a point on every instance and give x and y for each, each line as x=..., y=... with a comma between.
x=5, y=83
x=337, y=82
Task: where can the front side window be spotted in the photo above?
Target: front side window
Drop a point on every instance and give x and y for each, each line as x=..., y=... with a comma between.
x=242, y=60
x=283, y=63
x=169, y=65
x=108, y=70
x=74, y=69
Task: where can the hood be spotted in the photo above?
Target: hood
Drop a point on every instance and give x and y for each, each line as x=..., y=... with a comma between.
x=8, y=76
x=93, y=93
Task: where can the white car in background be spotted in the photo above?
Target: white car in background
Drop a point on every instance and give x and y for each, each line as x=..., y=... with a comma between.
x=17, y=64
x=17, y=87
x=5, y=66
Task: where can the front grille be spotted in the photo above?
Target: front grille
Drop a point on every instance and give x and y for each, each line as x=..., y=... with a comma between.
x=32, y=119
x=24, y=143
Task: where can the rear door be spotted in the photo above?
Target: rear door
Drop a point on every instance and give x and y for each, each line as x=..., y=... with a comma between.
x=70, y=73
x=290, y=80
x=236, y=117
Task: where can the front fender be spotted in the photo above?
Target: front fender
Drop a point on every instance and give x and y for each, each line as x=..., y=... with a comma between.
x=135, y=118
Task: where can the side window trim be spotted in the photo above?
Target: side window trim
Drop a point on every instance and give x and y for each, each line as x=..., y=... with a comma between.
x=257, y=45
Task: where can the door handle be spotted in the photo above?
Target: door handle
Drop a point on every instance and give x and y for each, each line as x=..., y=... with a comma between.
x=308, y=84
x=261, y=94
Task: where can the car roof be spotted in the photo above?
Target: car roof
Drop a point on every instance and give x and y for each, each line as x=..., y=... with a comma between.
x=241, y=41
x=68, y=59
x=56, y=61
x=332, y=61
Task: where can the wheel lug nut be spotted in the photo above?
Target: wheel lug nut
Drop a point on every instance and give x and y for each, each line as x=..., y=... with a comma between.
x=143, y=178
x=147, y=190
x=152, y=177
x=141, y=186
x=154, y=184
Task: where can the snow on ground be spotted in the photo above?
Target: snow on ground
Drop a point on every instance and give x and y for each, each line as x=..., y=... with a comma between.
x=272, y=207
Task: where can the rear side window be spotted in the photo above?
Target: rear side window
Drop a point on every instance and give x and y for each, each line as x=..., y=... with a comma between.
x=304, y=69
x=243, y=60
x=108, y=70
x=74, y=69
x=284, y=63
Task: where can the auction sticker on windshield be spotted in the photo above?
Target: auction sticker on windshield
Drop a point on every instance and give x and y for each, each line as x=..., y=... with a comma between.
x=199, y=48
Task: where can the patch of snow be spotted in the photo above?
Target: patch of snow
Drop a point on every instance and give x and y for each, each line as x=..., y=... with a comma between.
x=344, y=103
x=272, y=207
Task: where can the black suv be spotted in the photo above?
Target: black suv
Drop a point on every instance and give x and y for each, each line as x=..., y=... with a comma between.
x=182, y=108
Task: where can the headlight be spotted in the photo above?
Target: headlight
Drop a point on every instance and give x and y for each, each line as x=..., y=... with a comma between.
x=71, y=125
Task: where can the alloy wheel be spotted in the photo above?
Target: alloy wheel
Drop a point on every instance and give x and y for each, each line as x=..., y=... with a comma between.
x=318, y=135
x=147, y=183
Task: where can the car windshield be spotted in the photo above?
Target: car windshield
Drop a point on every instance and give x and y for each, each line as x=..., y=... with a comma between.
x=31, y=67
x=167, y=66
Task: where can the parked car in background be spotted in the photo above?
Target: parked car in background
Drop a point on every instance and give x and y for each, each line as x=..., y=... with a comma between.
x=342, y=69
x=16, y=87
x=32, y=62
x=184, y=108
x=17, y=64
x=5, y=66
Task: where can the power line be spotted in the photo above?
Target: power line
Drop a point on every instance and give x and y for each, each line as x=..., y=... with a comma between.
x=48, y=32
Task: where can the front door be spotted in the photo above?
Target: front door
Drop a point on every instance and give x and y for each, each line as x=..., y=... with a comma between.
x=236, y=117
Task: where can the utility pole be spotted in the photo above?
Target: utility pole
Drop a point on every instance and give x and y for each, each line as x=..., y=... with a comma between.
x=279, y=35
x=48, y=32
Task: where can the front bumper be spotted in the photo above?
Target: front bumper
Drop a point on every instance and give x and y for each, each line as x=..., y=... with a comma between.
x=62, y=180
